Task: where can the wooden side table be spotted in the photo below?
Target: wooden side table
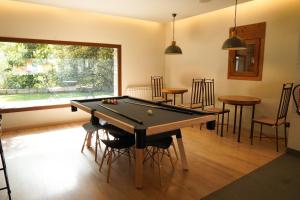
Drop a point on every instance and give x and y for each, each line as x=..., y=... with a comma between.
x=238, y=101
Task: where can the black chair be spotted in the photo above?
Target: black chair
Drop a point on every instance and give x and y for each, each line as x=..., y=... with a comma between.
x=90, y=130
x=157, y=84
x=120, y=145
x=158, y=147
x=281, y=115
x=209, y=101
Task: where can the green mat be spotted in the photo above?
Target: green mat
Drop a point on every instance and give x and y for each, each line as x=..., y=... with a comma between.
x=279, y=179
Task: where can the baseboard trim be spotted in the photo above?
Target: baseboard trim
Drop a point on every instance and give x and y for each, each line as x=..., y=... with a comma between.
x=293, y=152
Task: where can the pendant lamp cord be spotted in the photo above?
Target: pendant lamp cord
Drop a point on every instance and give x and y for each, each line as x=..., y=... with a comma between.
x=235, y=15
x=174, y=15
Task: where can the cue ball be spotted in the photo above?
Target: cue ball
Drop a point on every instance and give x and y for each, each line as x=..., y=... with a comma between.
x=149, y=112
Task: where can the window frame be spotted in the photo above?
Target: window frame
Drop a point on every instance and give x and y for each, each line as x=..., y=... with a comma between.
x=62, y=42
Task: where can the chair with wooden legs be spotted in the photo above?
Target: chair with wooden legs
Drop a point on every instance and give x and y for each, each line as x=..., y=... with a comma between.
x=115, y=148
x=157, y=148
x=90, y=130
x=281, y=115
x=157, y=84
x=209, y=101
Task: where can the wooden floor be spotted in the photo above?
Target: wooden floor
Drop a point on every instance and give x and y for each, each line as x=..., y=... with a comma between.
x=46, y=163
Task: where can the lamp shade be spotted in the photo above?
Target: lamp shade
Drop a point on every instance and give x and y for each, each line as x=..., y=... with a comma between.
x=234, y=43
x=173, y=49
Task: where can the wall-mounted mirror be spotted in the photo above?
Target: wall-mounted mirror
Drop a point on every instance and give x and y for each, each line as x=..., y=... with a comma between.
x=247, y=64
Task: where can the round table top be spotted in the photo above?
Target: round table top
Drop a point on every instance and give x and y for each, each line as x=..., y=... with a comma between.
x=174, y=90
x=239, y=100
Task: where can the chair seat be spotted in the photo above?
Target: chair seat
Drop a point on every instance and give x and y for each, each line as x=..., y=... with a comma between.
x=216, y=110
x=119, y=144
x=268, y=120
x=89, y=127
x=193, y=106
x=163, y=143
x=161, y=100
x=117, y=132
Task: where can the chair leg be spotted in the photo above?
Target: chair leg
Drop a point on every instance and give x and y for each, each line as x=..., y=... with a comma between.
x=109, y=164
x=252, y=131
x=285, y=138
x=227, y=121
x=129, y=156
x=97, y=144
x=103, y=157
x=277, y=138
x=260, y=132
x=152, y=156
x=218, y=124
x=173, y=145
x=84, y=141
x=158, y=163
x=107, y=135
x=171, y=160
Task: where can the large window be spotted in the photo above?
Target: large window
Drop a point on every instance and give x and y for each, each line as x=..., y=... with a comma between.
x=40, y=72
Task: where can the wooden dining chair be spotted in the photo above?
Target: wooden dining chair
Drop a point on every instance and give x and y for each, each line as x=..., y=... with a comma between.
x=281, y=115
x=157, y=84
x=209, y=101
x=197, y=94
x=296, y=95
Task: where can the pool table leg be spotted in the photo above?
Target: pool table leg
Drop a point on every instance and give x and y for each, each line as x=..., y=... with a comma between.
x=139, y=157
x=140, y=145
x=182, y=151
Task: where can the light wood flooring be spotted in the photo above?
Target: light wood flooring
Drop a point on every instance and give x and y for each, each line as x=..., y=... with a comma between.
x=46, y=163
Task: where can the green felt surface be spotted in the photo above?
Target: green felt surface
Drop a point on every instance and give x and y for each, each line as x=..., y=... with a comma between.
x=158, y=116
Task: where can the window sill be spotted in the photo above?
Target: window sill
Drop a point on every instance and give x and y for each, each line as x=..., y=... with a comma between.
x=32, y=105
x=12, y=109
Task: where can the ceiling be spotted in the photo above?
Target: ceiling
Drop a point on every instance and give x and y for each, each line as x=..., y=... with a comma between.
x=154, y=10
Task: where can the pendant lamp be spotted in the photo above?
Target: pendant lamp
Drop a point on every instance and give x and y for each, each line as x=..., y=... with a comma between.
x=234, y=42
x=173, y=48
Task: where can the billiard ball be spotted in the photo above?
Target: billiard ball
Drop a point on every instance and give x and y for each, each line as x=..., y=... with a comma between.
x=149, y=112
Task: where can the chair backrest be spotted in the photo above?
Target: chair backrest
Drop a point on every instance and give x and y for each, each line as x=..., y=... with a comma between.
x=296, y=94
x=284, y=100
x=197, y=93
x=157, y=84
x=209, y=92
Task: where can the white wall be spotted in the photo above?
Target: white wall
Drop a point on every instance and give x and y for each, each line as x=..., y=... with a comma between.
x=142, y=45
x=201, y=38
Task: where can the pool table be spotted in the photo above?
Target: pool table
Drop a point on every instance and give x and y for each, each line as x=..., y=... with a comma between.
x=144, y=118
